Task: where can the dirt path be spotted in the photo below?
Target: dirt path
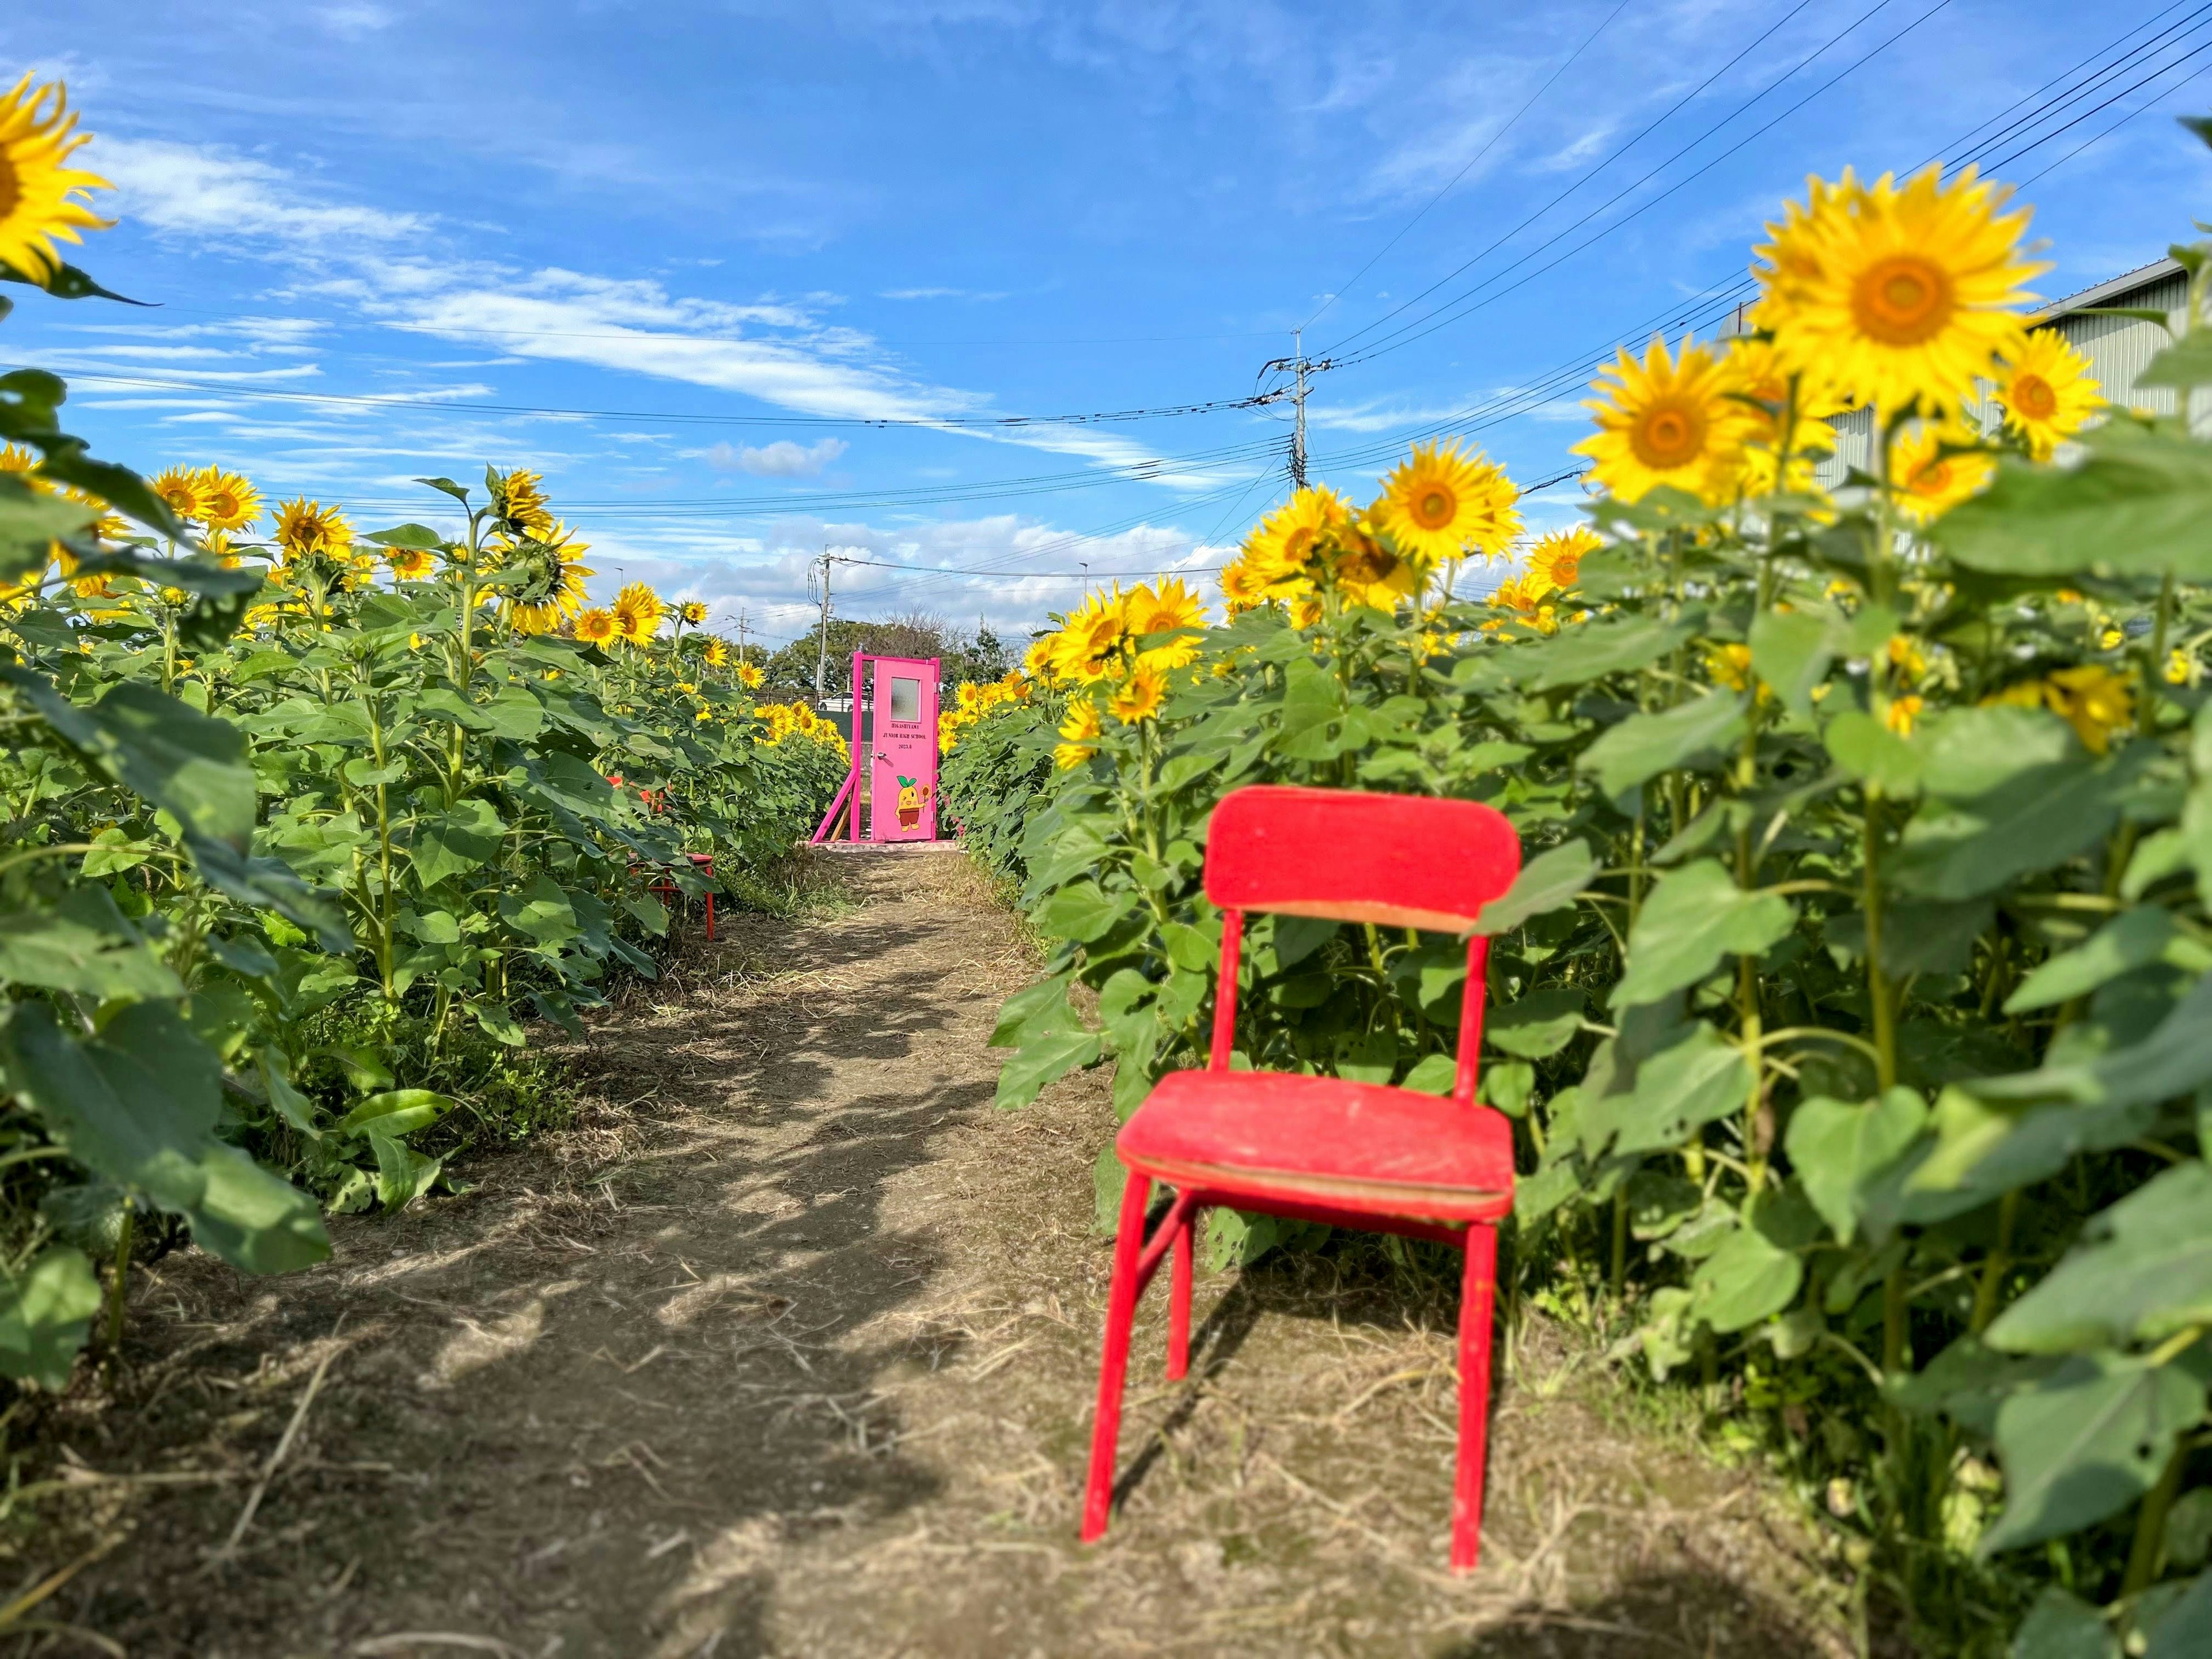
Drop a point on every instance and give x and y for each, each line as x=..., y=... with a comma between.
x=786, y=1349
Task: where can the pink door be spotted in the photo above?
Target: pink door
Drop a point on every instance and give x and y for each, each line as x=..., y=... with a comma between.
x=902, y=760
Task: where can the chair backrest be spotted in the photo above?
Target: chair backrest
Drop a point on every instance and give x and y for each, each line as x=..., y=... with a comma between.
x=1394, y=860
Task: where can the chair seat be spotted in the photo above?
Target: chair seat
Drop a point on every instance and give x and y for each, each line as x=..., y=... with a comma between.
x=1324, y=1142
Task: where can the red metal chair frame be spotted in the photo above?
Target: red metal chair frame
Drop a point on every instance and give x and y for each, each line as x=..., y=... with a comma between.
x=1317, y=1149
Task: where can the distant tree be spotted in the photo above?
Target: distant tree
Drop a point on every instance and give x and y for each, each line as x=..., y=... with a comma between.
x=962, y=656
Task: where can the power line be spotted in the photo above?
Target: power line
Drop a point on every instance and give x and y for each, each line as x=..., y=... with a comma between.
x=1488, y=144
x=1467, y=305
x=1679, y=105
x=401, y=401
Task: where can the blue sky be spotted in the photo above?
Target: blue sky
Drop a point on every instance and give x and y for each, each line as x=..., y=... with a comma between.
x=676, y=256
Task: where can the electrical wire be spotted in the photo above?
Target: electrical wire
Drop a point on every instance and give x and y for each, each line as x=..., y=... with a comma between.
x=942, y=421
x=1620, y=150
x=1468, y=304
x=1488, y=144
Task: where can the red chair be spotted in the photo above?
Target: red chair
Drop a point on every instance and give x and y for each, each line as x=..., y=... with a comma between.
x=704, y=864
x=1319, y=1148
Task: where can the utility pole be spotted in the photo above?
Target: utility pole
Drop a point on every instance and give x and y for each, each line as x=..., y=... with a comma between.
x=741, y=635
x=822, y=657
x=1300, y=368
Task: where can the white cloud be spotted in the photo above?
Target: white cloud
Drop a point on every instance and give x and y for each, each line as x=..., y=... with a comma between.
x=978, y=294
x=196, y=191
x=780, y=459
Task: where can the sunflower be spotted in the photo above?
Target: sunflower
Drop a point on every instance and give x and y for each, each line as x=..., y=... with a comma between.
x=1522, y=600
x=227, y=502
x=1935, y=466
x=1094, y=645
x=1367, y=571
x=1243, y=586
x=717, y=654
x=518, y=505
x=40, y=199
x=1896, y=295
x=1295, y=535
x=550, y=587
x=1079, y=732
x=1439, y=505
x=179, y=487
x=638, y=612
x=1139, y=696
x=749, y=675
x=1668, y=420
x=216, y=544
x=305, y=527
x=1556, y=558
x=1169, y=610
x=692, y=613
x=411, y=564
x=595, y=626
x=2048, y=392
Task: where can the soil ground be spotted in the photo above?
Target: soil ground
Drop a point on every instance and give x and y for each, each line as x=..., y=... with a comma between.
x=785, y=1347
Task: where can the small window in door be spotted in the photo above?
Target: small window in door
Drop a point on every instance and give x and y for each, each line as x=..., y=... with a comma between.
x=906, y=701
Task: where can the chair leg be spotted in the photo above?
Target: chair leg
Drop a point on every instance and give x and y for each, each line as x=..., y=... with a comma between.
x=1179, y=1301
x=1114, y=1360
x=710, y=917
x=1478, y=1297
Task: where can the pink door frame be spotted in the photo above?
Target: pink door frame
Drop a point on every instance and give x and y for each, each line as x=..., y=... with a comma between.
x=897, y=754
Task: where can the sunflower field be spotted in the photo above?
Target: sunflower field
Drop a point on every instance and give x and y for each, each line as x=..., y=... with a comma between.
x=304, y=827
x=1852, y=1006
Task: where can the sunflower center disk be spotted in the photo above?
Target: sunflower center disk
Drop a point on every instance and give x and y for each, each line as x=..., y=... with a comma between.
x=2032, y=396
x=1668, y=436
x=11, y=188
x=1903, y=301
x=1435, y=509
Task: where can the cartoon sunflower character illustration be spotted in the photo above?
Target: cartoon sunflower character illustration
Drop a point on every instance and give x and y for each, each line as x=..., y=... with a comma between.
x=909, y=803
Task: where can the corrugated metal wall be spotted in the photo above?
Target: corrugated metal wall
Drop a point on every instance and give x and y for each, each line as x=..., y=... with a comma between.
x=2119, y=348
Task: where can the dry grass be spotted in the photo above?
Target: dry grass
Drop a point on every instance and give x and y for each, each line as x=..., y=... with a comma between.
x=786, y=1347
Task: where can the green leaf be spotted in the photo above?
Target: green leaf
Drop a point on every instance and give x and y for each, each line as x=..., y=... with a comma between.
x=2127, y=942
x=2136, y=506
x=1576, y=656
x=541, y=912
x=1658, y=1203
x=45, y=1311
x=1699, y=1078
x=2140, y=1272
x=2085, y=1443
x=1535, y=1026
x=1869, y=751
x=395, y=1113
x=1045, y=1060
x=1744, y=1281
x=188, y=764
x=2179, y=1631
x=2174, y=1060
x=1692, y=919
x=1082, y=911
x=409, y=535
x=2040, y=817
x=1643, y=746
x=403, y=1174
x=1433, y=1074
x=464, y=837
x=652, y=914
x=286, y=1102
x=1042, y=1009
x=2062, y=1625
x=500, y=1026
x=1792, y=651
x=1188, y=947
x=1837, y=1149
x=83, y=946
x=63, y=281
x=1297, y=937
x=137, y=1105
x=2185, y=364
x=1549, y=882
